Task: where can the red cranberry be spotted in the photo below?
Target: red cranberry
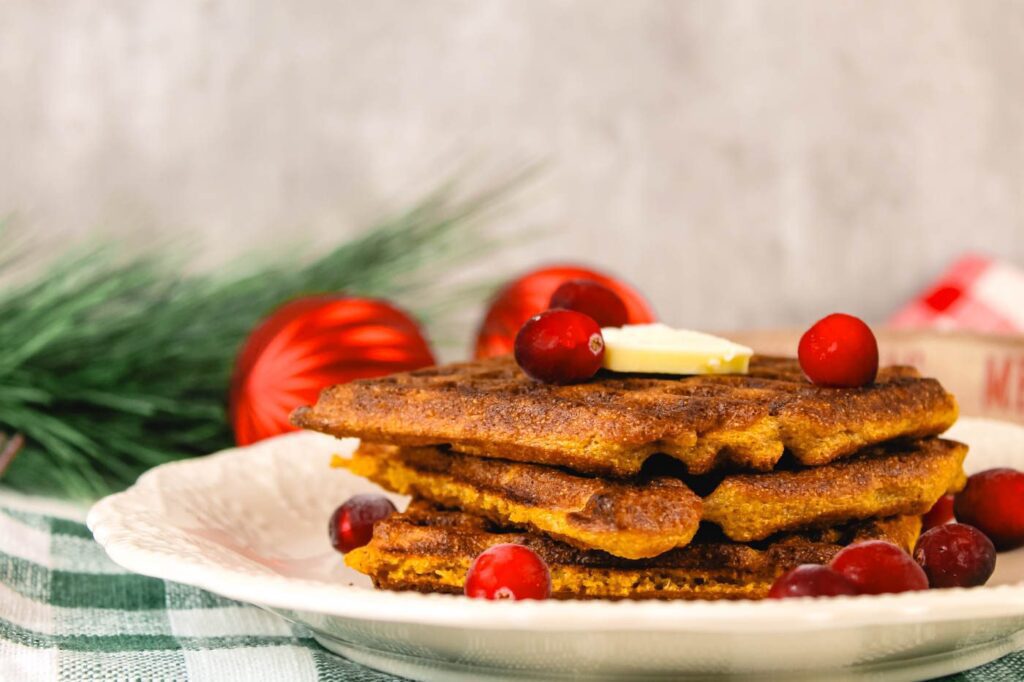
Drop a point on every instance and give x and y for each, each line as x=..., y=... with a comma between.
x=940, y=513
x=878, y=567
x=993, y=502
x=590, y=298
x=956, y=555
x=351, y=524
x=560, y=347
x=811, y=580
x=839, y=350
x=508, y=571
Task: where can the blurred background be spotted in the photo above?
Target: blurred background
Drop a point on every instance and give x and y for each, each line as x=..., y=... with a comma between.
x=745, y=164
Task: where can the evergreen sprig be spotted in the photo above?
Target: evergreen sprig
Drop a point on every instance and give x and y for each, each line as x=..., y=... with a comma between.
x=110, y=365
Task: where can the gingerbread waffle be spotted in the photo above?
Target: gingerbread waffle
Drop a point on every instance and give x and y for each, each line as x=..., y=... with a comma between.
x=611, y=425
x=429, y=550
x=649, y=516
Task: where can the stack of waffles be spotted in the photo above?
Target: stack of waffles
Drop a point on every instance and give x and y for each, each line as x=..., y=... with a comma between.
x=640, y=486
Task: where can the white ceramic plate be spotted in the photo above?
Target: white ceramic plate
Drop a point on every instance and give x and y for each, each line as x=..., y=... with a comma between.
x=251, y=524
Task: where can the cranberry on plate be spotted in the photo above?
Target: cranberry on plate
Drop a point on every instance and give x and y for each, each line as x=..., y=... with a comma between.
x=811, y=580
x=839, y=350
x=879, y=567
x=593, y=299
x=560, y=347
x=351, y=524
x=508, y=571
x=993, y=502
x=956, y=555
x=940, y=513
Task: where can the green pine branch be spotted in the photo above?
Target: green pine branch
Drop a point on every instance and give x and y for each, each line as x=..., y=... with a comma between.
x=111, y=365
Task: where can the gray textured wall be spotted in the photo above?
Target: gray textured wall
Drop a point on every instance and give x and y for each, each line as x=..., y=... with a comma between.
x=745, y=163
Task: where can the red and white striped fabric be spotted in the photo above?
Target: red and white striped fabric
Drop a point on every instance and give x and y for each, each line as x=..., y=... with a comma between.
x=977, y=294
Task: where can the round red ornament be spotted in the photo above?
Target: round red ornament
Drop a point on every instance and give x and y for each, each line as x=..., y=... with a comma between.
x=312, y=343
x=530, y=294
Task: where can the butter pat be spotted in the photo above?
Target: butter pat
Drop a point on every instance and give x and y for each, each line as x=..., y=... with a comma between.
x=660, y=349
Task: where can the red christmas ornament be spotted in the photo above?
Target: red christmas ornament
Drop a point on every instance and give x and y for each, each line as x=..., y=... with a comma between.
x=312, y=343
x=531, y=294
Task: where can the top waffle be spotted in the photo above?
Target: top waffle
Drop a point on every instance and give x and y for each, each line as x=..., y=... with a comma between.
x=612, y=424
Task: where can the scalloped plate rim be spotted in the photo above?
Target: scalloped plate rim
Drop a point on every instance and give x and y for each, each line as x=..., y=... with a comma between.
x=105, y=520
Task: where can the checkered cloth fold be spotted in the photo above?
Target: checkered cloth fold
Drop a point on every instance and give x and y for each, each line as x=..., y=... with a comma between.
x=976, y=293
x=68, y=613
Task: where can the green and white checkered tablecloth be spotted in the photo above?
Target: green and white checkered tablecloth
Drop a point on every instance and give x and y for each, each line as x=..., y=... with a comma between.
x=68, y=613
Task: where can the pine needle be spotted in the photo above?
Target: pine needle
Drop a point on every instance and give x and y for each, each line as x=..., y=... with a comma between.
x=111, y=365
